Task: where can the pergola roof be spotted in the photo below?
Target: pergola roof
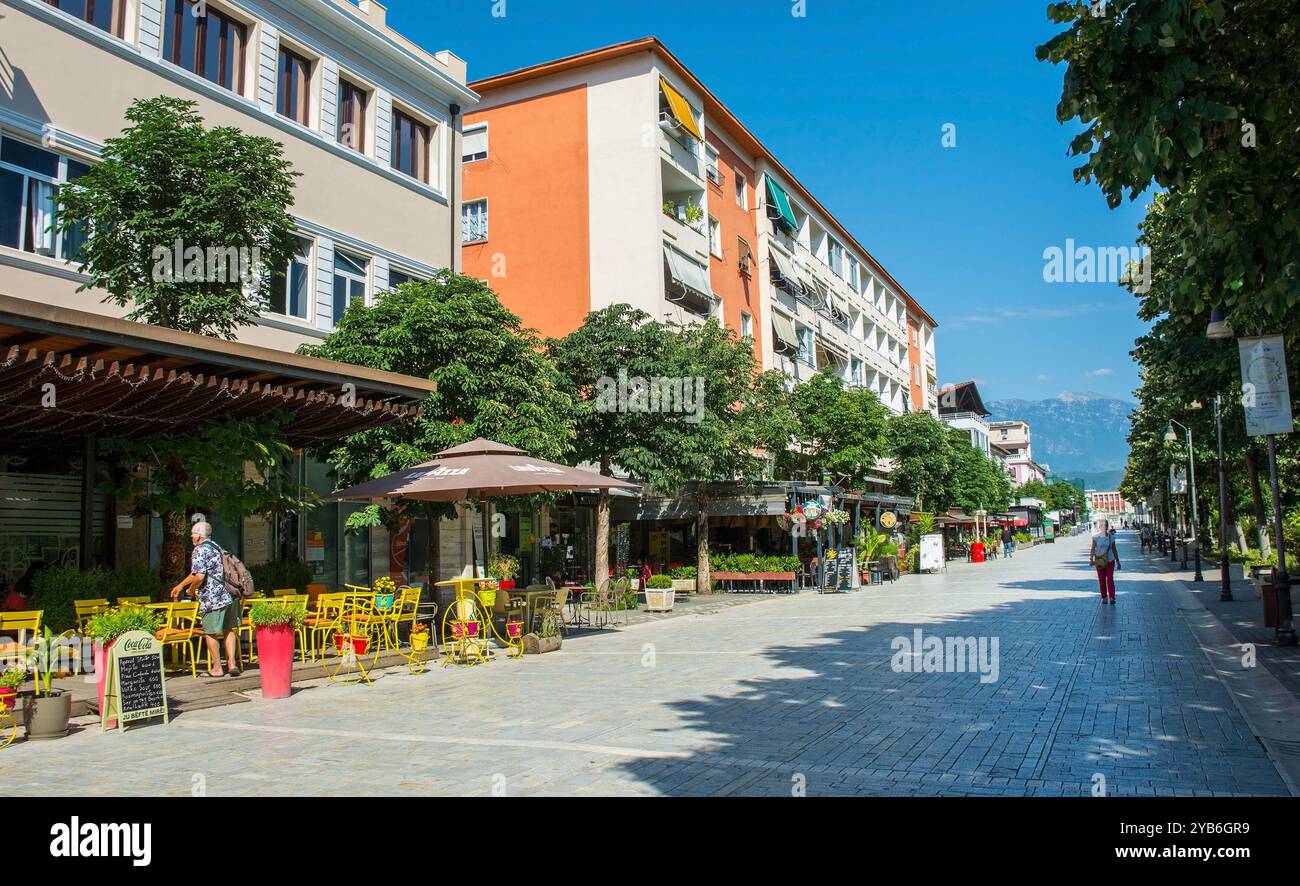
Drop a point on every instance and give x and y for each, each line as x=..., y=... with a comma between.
x=112, y=376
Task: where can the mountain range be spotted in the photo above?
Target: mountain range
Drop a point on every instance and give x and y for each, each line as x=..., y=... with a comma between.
x=1078, y=435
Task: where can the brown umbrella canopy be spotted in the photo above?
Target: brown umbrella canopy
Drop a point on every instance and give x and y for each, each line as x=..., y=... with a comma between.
x=480, y=469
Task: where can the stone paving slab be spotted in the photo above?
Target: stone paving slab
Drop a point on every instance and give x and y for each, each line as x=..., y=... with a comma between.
x=790, y=694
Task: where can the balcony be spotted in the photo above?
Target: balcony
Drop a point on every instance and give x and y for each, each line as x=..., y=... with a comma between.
x=680, y=147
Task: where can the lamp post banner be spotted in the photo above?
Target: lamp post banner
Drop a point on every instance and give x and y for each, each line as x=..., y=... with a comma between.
x=1266, y=393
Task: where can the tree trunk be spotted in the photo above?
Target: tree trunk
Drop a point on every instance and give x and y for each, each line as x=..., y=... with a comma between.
x=172, y=553
x=602, y=532
x=703, y=585
x=1257, y=499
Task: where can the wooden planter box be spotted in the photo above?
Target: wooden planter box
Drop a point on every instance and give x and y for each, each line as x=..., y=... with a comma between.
x=535, y=645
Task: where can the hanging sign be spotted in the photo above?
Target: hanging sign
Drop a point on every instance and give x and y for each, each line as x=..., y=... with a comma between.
x=135, y=688
x=1266, y=392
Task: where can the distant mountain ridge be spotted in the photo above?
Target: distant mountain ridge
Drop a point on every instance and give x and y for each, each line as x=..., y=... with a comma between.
x=1077, y=434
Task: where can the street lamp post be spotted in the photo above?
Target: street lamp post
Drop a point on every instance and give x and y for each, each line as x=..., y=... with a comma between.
x=1225, y=583
x=1172, y=437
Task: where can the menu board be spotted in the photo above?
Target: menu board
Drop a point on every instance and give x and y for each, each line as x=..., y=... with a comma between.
x=136, y=688
x=841, y=569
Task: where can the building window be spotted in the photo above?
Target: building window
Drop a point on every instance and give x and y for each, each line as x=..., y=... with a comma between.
x=857, y=370
x=107, y=15
x=746, y=325
x=350, y=276
x=474, y=221
x=711, y=165
x=475, y=144
x=210, y=45
x=715, y=237
x=291, y=287
x=742, y=196
x=30, y=178
x=293, y=95
x=352, y=116
x=746, y=256
x=410, y=147
x=396, y=278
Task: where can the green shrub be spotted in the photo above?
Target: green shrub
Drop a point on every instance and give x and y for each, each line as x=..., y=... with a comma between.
x=685, y=572
x=914, y=559
x=1291, y=533
x=119, y=620
x=281, y=575
x=659, y=582
x=55, y=589
x=888, y=549
x=137, y=580
x=267, y=613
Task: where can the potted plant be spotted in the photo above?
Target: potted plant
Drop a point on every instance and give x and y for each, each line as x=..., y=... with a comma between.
x=684, y=579
x=275, y=623
x=47, y=711
x=105, y=627
x=420, y=637
x=385, y=593
x=547, y=638
x=10, y=681
x=505, y=569
x=659, y=594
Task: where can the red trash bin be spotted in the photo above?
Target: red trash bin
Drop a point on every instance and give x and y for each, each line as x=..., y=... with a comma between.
x=977, y=552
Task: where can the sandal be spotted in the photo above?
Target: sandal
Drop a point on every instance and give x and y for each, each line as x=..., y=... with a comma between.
x=208, y=675
x=234, y=673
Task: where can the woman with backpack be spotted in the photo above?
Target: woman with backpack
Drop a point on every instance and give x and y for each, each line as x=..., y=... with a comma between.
x=1105, y=559
x=217, y=604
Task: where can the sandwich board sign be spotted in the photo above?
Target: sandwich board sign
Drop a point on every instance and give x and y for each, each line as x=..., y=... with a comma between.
x=842, y=570
x=931, y=556
x=135, y=688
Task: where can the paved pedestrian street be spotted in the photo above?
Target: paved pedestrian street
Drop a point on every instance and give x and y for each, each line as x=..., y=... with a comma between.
x=785, y=695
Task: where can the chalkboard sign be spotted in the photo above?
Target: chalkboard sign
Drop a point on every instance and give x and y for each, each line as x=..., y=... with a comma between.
x=136, y=688
x=841, y=569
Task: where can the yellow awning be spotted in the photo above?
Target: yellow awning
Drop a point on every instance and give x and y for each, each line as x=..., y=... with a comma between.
x=681, y=109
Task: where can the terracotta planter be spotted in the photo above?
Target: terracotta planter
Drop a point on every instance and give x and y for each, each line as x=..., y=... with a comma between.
x=46, y=716
x=275, y=659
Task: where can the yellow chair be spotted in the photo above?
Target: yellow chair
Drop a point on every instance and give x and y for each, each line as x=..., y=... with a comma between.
x=408, y=606
x=180, y=631
x=283, y=592
x=86, y=608
x=19, y=623
x=134, y=601
x=321, y=623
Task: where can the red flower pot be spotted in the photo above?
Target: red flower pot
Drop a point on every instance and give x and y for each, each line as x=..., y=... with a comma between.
x=507, y=584
x=8, y=697
x=359, y=643
x=101, y=673
x=275, y=659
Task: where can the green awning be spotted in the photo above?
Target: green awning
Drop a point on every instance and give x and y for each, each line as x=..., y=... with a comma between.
x=778, y=200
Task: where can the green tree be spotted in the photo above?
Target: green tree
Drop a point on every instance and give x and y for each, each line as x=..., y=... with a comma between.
x=836, y=430
x=494, y=380
x=616, y=348
x=922, y=453
x=1200, y=98
x=168, y=179
x=232, y=467
x=978, y=482
x=740, y=415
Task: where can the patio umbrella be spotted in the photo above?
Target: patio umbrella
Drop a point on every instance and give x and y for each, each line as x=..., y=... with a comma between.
x=476, y=471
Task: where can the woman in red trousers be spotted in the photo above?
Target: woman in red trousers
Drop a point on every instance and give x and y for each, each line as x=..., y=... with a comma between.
x=1105, y=558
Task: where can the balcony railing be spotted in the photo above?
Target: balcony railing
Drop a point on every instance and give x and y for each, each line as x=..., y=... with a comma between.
x=681, y=212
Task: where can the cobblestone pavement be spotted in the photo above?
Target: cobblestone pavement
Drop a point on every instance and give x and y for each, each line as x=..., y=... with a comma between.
x=786, y=694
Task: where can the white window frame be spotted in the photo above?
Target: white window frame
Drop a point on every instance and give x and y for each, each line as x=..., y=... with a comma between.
x=59, y=180
x=712, y=170
x=715, y=237
x=485, y=216
x=746, y=324
x=312, y=258
x=351, y=276
x=487, y=143
x=742, y=192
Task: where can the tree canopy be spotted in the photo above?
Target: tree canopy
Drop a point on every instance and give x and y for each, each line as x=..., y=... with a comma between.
x=183, y=223
x=835, y=429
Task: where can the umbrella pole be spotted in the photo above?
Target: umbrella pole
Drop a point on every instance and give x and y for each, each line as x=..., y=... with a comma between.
x=487, y=539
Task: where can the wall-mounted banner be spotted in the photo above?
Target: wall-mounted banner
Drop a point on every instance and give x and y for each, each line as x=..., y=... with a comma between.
x=1266, y=392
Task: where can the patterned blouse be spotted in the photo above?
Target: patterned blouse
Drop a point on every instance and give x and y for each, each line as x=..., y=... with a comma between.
x=206, y=560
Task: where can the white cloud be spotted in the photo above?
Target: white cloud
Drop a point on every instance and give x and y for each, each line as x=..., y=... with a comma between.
x=1098, y=372
x=1043, y=376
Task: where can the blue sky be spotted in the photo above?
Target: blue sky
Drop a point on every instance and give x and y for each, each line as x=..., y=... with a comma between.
x=853, y=98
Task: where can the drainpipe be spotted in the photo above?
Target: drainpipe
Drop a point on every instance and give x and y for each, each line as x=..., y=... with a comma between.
x=454, y=109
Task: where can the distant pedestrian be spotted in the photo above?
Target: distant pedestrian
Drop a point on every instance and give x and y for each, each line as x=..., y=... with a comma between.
x=220, y=609
x=1105, y=559
x=1008, y=541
